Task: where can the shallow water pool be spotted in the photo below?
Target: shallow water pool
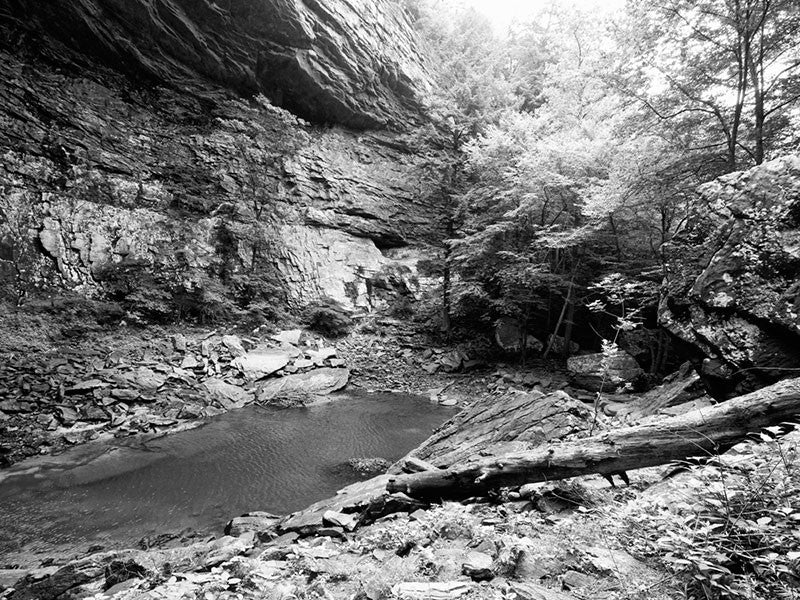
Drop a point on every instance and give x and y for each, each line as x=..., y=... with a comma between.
x=114, y=493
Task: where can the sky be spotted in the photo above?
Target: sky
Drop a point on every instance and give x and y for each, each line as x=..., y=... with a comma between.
x=504, y=12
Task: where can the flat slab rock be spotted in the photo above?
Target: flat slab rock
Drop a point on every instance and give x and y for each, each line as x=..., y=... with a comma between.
x=261, y=362
x=496, y=425
x=435, y=590
x=229, y=396
x=303, y=387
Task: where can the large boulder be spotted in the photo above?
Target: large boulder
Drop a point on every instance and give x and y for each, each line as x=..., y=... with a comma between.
x=604, y=371
x=302, y=388
x=492, y=425
x=732, y=286
x=261, y=362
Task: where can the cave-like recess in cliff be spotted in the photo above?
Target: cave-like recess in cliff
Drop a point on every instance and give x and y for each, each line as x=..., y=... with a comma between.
x=352, y=63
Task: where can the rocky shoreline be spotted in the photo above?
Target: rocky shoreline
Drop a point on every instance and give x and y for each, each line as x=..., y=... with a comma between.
x=133, y=381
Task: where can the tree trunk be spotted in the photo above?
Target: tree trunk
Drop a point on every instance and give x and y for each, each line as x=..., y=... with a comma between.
x=758, y=110
x=567, y=300
x=446, y=321
x=700, y=432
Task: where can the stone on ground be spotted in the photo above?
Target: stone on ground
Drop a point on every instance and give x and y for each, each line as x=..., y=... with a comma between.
x=596, y=372
x=303, y=387
x=229, y=396
x=443, y=590
x=261, y=362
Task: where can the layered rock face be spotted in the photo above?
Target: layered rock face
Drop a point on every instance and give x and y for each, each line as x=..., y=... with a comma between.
x=352, y=62
x=732, y=291
x=109, y=181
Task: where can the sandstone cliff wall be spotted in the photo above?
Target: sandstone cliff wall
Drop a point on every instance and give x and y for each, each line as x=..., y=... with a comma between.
x=177, y=175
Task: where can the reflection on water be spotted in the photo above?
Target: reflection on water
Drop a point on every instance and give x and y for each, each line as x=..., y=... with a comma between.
x=251, y=459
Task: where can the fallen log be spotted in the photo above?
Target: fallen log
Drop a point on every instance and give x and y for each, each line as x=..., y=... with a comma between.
x=699, y=433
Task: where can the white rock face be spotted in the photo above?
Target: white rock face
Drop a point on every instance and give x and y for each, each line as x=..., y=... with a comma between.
x=328, y=263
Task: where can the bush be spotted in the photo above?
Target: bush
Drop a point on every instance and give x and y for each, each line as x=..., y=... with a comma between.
x=741, y=541
x=328, y=318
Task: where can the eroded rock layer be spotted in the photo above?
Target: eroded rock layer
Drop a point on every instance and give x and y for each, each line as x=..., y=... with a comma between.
x=112, y=186
x=732, y=290
x=352, y=62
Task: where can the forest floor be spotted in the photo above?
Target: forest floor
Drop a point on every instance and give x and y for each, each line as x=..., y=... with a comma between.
x=726, y=530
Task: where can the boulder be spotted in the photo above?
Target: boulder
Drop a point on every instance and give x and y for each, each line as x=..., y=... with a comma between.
x=303, y=388
x=290, y=336
x=606, y=372
x=488, y=427
x=478, y=566
x=234, y=345
x=508, y=335
x=263, y=524
x=732, y=284
x=229, y=396
x=261, y=362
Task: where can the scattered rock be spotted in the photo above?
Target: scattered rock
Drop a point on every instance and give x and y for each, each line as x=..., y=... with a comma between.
x=67, y=414
x=478, y=566
x=125, y=395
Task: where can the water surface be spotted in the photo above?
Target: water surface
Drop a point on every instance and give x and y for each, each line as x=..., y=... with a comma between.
x=113, y=494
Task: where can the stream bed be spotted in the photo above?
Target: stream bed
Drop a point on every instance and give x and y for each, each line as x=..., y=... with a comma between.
x=112, y=494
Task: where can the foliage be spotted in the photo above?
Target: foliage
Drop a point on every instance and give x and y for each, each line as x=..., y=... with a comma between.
x=722, y=75
x=741, y=540
x=576, y=145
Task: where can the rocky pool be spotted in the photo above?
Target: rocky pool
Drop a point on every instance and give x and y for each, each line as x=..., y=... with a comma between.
x=112, y=494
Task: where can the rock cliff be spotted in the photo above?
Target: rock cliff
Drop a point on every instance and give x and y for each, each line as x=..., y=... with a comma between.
x=732, y=290
x=129, y=159
x=351, y=62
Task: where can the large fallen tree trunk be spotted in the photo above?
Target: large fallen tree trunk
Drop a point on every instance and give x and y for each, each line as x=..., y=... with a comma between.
x=701, y=432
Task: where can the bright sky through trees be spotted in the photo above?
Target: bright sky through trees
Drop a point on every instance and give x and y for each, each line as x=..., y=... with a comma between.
x=505, y=12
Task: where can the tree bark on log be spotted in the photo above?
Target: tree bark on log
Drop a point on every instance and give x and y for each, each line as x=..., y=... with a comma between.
x=698, y=433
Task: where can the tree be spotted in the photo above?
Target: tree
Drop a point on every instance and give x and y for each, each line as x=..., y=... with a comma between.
x=719, y=73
